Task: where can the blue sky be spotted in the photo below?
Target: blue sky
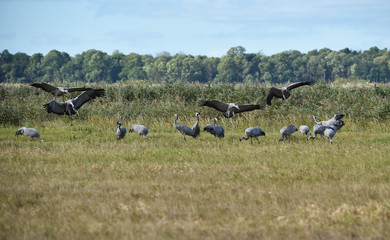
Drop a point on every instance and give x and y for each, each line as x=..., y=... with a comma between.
x=196, y=27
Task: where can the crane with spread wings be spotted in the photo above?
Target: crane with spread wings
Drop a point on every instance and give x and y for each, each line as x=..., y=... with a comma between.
x=71, y=106
x=58, y=91
x=284, y=92
x=230, y=109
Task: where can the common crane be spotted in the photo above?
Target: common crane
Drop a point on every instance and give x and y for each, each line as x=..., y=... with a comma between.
x=140, y=130
x=71, y=106
x=183, y=129
x=121, y=131
x=284, y=92
x=304, y=129
x=57, y=91
x=30, y=132
x=328, y=131
x=332, y=121
x=287, y=131
x=230, y=109
x=216, y=130
x=253, y=132
x=196, y=127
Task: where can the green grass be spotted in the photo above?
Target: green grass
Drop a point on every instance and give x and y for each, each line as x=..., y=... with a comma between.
x=81, y=183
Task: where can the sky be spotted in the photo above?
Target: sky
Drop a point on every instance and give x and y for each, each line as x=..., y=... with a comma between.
x=196, y=27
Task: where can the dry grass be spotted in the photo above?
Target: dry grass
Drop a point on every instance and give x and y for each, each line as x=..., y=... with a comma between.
x=80, y=183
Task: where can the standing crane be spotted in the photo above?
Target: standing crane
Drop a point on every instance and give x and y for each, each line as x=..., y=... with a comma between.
x=216, y=130
x=196, y=127
x=183, y=129
x=121, y=131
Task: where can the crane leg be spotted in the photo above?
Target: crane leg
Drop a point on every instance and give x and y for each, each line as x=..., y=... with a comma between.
x=257, y=140
x=70, y=116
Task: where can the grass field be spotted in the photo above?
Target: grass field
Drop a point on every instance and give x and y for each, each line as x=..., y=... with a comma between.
x=81, y=183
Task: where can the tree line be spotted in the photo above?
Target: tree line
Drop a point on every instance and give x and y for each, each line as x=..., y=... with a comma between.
x=236, y=66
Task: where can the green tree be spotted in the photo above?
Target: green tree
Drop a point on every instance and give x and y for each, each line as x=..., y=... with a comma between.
x=230, y=69
x=5, y=66
x=132, y=68
x=20, y=62
x=51, y=66
x=115, y=67
x=34, y=71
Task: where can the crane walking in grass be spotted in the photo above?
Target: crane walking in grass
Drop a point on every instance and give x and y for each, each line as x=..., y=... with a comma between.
x=121, y=131
x=30, y=132
x=140, y=130
x=183, y=129
x=253, y=132
x=286, y=132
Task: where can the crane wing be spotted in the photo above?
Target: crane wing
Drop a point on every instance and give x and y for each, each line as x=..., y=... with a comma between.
x=45, y=86
x=218, y=105
x=75, y=89
x=298, y=84
x=273, y=92
x=55, y=107
x=248, y=107
x=87, y=96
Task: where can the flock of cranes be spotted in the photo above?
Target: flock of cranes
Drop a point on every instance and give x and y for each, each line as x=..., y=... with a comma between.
x=229, y=110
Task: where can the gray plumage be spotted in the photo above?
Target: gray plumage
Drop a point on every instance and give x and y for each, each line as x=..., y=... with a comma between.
x=216, y=130
x=253, y=132
x=230, y=109
x=30, y=132
x=196, y=127
x=287, y=131
x=304, y=129
x=329, y=133
x=71, y=106
x=58, y=91
x=329, y=130
x=140, y=130
x=284, y=92
x=332, y=121
x=183, y=129
x=121, y=131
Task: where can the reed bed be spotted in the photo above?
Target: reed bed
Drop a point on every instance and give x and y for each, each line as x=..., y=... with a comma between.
x=81, y=183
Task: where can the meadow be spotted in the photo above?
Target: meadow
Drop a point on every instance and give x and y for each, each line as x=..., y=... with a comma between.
x=81, y=183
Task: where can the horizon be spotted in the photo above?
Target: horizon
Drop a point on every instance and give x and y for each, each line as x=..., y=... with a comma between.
x=192, y=27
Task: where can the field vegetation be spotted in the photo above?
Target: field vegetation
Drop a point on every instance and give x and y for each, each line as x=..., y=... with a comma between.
x=81, y=183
